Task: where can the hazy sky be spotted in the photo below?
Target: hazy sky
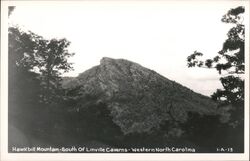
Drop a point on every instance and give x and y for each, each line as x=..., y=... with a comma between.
x=158, y=35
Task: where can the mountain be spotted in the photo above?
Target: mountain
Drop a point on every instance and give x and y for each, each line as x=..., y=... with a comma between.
x=139, y=99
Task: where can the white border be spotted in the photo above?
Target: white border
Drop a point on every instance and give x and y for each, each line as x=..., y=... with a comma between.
x=104, y=156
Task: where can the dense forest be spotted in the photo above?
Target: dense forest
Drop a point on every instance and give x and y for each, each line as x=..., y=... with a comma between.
x=46, y=111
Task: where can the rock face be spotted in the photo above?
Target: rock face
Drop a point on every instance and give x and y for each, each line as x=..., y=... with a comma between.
x=139, y=99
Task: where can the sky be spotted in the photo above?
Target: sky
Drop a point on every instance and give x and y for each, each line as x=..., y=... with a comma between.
x=158, y=35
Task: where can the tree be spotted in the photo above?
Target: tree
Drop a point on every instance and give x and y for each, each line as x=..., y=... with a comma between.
x=229, y=62
x=47, y=58
x=23, y=84
x=34, y=70
x=52, y=60
x=21, y=50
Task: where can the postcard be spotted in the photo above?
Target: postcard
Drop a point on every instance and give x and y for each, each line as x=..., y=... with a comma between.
x=125, y=80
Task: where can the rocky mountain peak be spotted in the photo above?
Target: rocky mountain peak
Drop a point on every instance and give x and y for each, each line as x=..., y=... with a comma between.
x=123, y=68
x=106, y=60
x=139, y=99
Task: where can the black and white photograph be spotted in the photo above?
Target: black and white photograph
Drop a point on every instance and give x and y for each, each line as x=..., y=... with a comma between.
x=125, y=78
